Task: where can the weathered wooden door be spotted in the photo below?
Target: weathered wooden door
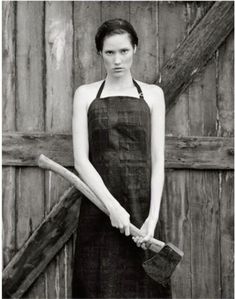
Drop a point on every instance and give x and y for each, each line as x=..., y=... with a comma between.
x=48, y=51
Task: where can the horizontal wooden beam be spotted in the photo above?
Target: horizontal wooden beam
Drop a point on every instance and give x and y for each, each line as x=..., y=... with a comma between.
x=196, y=152
x=42, y=246
x=195, y=50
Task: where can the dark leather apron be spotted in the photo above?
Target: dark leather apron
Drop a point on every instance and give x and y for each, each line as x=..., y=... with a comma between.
x=107, y=264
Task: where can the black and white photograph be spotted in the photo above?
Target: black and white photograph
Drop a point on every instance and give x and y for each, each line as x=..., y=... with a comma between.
x=117, y=149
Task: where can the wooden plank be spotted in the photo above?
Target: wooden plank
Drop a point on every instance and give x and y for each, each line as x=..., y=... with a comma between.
x=174, y=215
x=189, y=58
x=115, y=9
x=8, y=214
x=143, y=17
x=58, y=118
x=227, y=233
x=8, y=124
x=59, y=64
x=175, y=220
x=225, y=97
x=42, y=246
x=87, y=19
x=203, y=189
x=29, y=117
x=225, y=127
x=197, y=152
x=8, y=66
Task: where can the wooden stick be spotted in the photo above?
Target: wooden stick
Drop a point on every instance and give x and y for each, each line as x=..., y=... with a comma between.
x=46, y=163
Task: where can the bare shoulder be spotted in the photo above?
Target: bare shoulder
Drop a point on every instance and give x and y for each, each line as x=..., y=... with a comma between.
x=88, y=89
x=153, y=94
x=86, y=93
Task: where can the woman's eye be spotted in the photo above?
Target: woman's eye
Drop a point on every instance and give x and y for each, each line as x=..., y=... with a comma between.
x=124, y=51
x=109, y=52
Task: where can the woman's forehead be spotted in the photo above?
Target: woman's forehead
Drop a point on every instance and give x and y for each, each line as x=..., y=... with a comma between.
x=117, y=41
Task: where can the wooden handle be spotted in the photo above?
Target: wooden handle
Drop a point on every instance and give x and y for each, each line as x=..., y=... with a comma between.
x=46, y=163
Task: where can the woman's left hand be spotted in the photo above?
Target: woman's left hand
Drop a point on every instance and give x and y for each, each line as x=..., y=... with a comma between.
x=147, y=230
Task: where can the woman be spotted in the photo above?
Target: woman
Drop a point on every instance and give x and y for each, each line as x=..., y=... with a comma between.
x=118, y=140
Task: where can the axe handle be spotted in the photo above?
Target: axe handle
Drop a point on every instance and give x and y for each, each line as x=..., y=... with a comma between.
x=46, y=163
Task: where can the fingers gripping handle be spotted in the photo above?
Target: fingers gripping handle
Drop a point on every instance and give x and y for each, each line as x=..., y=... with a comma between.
x=46, y=163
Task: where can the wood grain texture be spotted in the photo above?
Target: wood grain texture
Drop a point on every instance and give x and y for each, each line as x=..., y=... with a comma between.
x=175, y=214
x=146, y=26
x=226, y=185
x=8, y=66
x=29, y=117
x=225, y=97
x=8, y=214
x=225, y=127
x=8, y=124
x=59, y=65
x=203, y=187
x=87, y=19
x=175, y=218
x=58, y=118
x=190, y=56
x=42, y=246
x=193, y=152
x=205, y=247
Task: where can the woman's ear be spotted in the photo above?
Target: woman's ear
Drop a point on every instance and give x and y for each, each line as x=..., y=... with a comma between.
x=135, y=48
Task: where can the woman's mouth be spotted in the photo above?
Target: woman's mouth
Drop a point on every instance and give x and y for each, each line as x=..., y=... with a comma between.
x=118, y=69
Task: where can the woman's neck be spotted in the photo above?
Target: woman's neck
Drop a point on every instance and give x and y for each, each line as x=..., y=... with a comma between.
x=119, y=83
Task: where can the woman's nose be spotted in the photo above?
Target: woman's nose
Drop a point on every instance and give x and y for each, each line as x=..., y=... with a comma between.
x=117, y=59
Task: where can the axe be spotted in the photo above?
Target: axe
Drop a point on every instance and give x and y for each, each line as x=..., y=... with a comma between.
x=161, y=266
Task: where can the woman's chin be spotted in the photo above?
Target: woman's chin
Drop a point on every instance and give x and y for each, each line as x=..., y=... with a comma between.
x=118, y=74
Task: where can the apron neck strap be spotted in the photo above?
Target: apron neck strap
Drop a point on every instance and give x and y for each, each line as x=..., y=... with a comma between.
x=135, y=83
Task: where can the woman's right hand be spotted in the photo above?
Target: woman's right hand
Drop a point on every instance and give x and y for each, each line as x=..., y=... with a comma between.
x=120, y=218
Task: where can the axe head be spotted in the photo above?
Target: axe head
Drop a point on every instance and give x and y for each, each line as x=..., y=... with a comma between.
x=161, y=266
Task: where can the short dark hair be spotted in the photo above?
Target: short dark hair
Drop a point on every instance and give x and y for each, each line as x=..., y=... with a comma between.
x=115, y=26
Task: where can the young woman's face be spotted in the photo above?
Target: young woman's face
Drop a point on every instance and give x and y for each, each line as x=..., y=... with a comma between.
x=117, y=54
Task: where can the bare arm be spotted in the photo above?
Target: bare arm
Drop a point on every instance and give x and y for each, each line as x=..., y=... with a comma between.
x=157, y=157
x=157, y=154
x=118, y=216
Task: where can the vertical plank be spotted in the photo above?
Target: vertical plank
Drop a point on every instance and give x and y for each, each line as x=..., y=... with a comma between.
x=225, y=61
x=227, y=233
x=225, y=127
x=205, y=249
x=29, y=117
x=115, y=9
x=59, y=86
x=174, y=216
x=203, y=185
x=144, y=18
x=8, y=66
x=87, y=19
x=8, y=124
x=175, y=220
x=172, y=30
